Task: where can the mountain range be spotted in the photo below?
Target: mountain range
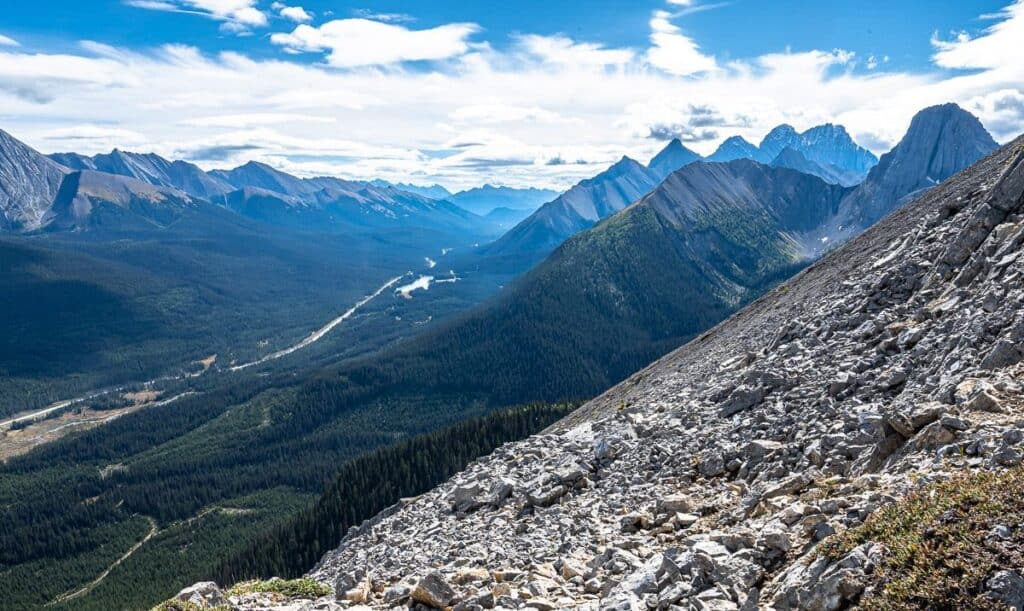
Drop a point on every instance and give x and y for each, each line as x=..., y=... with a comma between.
x=829, y=151
x=486, y=199
x=826, y=151
x=138, y=191
x=432, y=191
x=703, y=243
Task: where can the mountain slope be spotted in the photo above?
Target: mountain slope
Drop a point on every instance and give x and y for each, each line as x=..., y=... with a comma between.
x=483, y=200
x=28, y=183
x=578, y=208
x=671, y=158
x=710, y=478
x=941, y=141
x=707, y=240
x=795, y=160
x=262, y=176
x=91, y=199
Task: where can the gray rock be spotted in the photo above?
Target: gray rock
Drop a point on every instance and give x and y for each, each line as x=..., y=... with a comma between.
x=741, y=399
x=1003, y=354
x=464, y=498
x=433, y=591
x=1007, y=587
x=204, y=595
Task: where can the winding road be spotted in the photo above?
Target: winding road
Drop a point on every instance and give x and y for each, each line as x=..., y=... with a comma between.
x=312, y=338
x=322, y=331
x=153, y=530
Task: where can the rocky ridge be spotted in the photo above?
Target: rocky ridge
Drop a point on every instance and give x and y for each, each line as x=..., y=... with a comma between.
x=707, y=480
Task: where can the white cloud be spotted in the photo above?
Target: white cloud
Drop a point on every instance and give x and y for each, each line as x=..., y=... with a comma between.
x=548, y=110
x=674, y=52
x=564, y=50
x=295, y=13
x=362, y=42
x=239, y=16
x=990, y=50
x=487, y=114
x=95, y=138
x=7, y=41
x=239, y=121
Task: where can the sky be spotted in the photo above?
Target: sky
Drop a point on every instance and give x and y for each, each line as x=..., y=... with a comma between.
x=528, y=93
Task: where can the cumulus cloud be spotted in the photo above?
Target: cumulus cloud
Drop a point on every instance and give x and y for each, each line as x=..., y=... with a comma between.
x=294, y=13
x=238, y=16
x=685, y=133
x=674, y=52
x=563, y=50
x=991, y=49
x=1003, y=111
x=7, y=41
x=353, y=43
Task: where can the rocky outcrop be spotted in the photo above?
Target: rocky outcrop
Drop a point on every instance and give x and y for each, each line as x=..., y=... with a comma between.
x=28, y=183
x=708, y=480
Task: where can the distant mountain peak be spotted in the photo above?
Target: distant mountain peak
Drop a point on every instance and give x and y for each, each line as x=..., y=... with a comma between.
x=940, y=142
x=671, y=158
x=736, y=147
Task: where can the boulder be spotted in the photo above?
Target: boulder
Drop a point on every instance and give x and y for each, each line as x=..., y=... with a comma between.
x=464, y=498
x=1007, y=588
x=1003, y=354
x=741, y=399
x=433, y=591
x=204, y=594
x=676, y=503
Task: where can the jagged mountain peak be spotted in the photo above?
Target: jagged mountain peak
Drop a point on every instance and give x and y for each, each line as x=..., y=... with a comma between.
x=941, y=141
x=671, y=158
x=778, y=138
x=580, y=207
x=735, y=147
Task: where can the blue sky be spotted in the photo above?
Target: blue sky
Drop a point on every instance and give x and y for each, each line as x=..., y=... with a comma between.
x=530, y=92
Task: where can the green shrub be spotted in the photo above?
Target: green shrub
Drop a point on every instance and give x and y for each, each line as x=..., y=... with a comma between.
x=292, y=588
x=940, y=552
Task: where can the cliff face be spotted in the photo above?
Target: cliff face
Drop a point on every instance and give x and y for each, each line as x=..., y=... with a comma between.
x=751, y=467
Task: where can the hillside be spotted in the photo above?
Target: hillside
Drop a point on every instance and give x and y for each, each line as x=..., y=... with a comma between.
x=709, y=239
x=580, y=207
x=849, y=439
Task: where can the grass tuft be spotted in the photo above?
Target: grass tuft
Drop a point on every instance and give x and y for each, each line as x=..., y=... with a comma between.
x=181, y=605
x=292, y=588
x=940, y=548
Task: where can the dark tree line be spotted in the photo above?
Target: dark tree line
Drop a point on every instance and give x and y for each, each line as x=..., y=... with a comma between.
x=368, y=484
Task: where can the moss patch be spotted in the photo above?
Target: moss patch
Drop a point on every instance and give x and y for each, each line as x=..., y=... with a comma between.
x=941, y=550
x=292, y=588
x=179, y=605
